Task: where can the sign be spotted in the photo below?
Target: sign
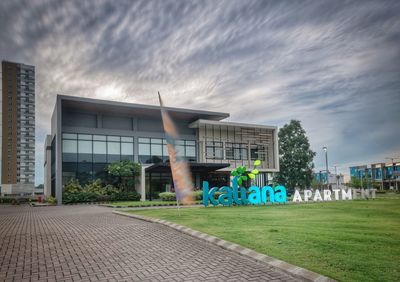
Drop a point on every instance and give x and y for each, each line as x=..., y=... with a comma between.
x=334, y=194
x=241, y=196
x=269, y=195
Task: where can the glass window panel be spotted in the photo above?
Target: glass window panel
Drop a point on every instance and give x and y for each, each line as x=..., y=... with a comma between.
x=99, y=152
x=144, y=140
x=126, y=149
x=99, y=147
x=126, y=157
x=84, y=137
x=69, y=146
x=144, y=159
x=156, y=141
x=144, y=149
x=127, y=139
x=113, y=138
x=218, y=153
x=236, y=154
x=165, y=150
x=244, y=154
x=99, y=171
x=85, y=147
x=190, y=143
x=190, y=151
x=180, y=150
x=100, y=137
x=84, y=173
x=180, y=142
x=210, y=152
x=69, y=136
x=164, y=141
x=113, y=148
x=156, y=149
x=84, y=151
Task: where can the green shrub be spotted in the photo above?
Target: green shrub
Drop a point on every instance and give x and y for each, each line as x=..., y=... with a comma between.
x=110, y=189
x=95, y=187
x=51, y=200
x=72, y=186
x=4, y=200
x=198, y=195
x=167, y=196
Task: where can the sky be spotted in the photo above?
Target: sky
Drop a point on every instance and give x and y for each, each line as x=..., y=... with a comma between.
x=333, y=65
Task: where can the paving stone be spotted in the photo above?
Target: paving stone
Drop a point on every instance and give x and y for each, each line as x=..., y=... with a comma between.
x=89, y=243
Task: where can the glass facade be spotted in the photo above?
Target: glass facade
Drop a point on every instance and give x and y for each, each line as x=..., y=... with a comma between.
x=85, y=156
x=378, y=173
x=154, y=150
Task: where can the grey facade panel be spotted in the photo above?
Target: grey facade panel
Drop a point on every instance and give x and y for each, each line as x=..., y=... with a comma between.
x=117, y=122
x=79, y=119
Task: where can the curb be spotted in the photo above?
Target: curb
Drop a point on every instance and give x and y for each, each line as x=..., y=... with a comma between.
x=149, y=206
x=294, y=271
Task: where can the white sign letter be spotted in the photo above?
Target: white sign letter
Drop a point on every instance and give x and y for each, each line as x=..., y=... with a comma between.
x=317, y=196
x=346, y=195
x=297, y=197
x=307, y=195
x=327, y=195
x=336, y=191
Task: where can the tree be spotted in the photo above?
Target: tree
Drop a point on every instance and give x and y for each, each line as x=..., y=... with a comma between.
x=295, y=157
x=127, y=171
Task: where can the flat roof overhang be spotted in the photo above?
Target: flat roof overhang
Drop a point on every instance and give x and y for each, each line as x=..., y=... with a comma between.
x=194, y=167
x=197, y=123
x=104, y=106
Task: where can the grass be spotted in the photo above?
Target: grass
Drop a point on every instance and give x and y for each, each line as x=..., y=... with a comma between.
x=347, y=240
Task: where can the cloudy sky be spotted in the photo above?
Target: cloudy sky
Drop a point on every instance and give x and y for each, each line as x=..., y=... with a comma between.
x=333, y=65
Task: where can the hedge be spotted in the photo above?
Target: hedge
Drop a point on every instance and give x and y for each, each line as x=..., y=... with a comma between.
x=84, y=196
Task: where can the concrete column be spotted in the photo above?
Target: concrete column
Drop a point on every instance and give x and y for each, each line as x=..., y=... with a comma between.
x=142, y=186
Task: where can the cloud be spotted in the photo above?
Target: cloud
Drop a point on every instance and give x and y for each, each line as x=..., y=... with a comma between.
x=331, y=64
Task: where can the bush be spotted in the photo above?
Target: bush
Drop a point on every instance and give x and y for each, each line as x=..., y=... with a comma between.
x=167, y=196
x=125, y=196
x=95, y=187
x=198, y=195
x=51, y=200
x=72, y=186
x=6, y=200
x=95, y=192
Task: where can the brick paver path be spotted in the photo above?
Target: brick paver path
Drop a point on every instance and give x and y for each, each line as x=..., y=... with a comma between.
x=89, y=243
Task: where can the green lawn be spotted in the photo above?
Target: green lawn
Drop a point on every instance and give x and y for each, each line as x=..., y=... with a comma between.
x=347, y=240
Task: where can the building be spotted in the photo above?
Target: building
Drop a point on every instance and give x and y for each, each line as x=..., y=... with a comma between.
x=333, y=179
x=88, y=134
x=18, y=129
x=386, y=174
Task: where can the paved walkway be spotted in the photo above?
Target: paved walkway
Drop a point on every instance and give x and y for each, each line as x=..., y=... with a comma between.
x=89, y=243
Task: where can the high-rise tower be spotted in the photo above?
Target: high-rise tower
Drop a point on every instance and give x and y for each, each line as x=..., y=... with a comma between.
x=18, y=128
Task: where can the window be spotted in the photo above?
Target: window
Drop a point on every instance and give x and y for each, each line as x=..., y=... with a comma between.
x=113, y=151
x=70, y=150
x=84, y=137
x=99, y=151
x=99, y=137
x=127, y=151
x=214, y=150
x=144, y=152
x=236, y=151
x=85, y=151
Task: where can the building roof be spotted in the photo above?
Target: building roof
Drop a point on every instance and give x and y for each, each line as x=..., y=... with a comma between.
x=197, y=123
x=90, y=104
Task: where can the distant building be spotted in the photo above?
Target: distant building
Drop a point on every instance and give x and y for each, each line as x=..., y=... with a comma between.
x=333, y=180
x=18, y=129
x=388, y=175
